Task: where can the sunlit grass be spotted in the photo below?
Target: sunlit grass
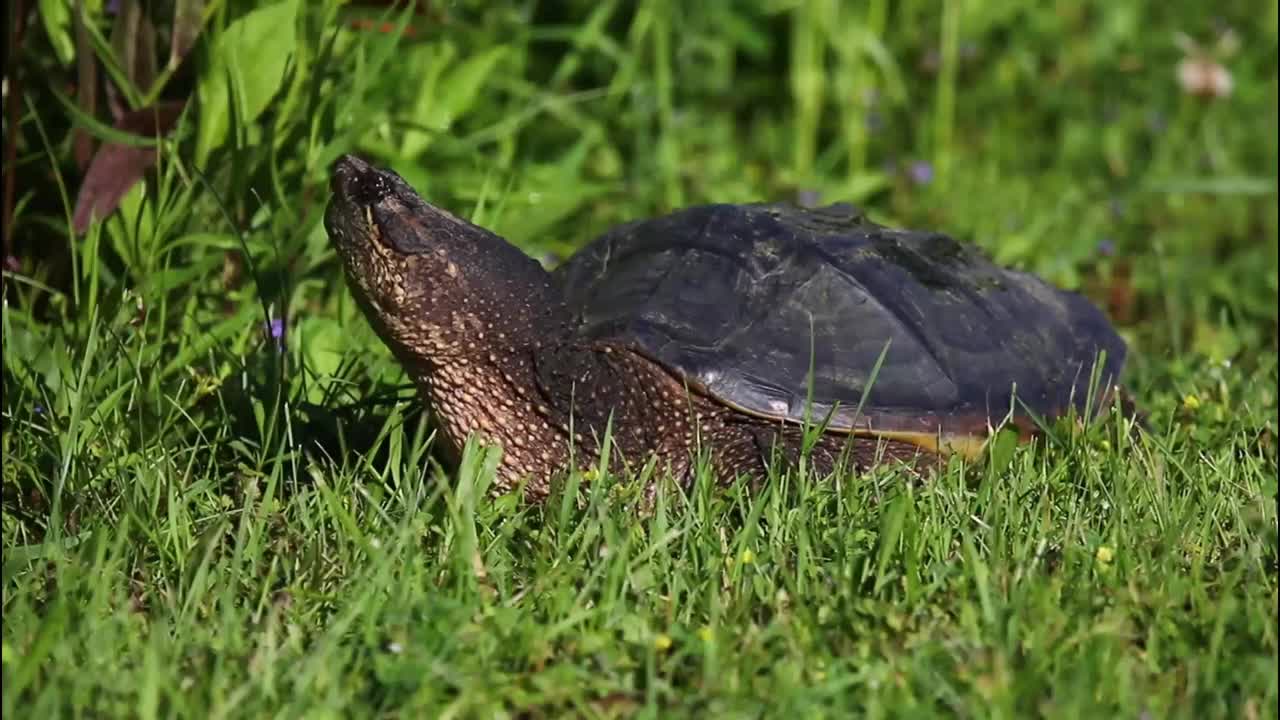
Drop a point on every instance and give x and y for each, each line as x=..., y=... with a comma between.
x=219, y=497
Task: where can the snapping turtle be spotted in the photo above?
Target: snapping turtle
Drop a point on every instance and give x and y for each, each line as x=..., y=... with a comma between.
x=727, y=325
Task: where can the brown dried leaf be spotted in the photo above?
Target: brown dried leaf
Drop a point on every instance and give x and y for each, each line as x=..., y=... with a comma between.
x=133, y=38
x=188, y=18
x=115, y=168
x=87, y=87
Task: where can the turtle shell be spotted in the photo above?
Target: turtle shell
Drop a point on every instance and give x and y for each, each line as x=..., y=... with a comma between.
x=784, y=312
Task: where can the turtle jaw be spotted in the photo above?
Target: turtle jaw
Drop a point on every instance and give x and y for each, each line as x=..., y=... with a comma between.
x=349, y=220
x=433, y=284
x=373, y=223
x=374, y=271
x=397, y=217
x=378, y=206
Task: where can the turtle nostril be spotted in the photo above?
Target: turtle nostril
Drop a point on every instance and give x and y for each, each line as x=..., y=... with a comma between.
x=368, y=188
x=358, y=181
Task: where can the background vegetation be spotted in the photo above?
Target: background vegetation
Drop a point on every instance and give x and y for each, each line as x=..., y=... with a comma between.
x=217, y=493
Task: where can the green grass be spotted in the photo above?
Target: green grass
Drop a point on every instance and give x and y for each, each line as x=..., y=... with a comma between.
x=200, y=523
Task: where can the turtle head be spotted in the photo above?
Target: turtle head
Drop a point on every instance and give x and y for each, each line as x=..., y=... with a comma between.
x=432, y=284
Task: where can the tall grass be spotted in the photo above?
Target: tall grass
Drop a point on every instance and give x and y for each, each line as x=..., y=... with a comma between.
x=219, y=498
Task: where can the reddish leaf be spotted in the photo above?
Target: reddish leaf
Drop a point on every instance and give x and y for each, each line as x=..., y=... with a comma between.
x=116, y=167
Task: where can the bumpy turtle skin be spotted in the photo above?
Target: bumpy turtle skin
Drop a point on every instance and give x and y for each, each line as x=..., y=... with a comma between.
x=551, y=407
x=756, y=305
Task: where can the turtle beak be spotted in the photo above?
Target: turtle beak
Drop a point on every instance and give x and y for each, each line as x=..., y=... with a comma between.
x=349, y=217
x=377, y=205
x=357, y=182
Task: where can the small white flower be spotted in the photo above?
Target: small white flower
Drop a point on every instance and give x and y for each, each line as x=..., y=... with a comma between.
x=1204, y=77
x=1201, y=72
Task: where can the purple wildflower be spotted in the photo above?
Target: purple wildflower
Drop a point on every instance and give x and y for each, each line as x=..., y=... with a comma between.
x=921, y=172
x=275, y=329
x=1106, y=247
